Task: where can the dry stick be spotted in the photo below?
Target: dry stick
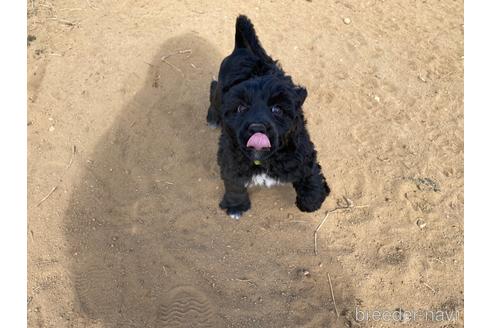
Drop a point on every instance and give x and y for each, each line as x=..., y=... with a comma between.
x=47, y=5
x=74, y=150
x=175, y=67
x=197, y=11
x=249, y=281
x=179, y=52
x=91, y=5
x=47, y=196
x=333, y=295
x=71, y=9
x=338, y=208
x=316, y=232
x=428, y=286
x=62, y=21
x=438, y=260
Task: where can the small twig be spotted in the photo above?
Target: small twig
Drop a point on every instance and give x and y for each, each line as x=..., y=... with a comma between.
x=47, y=196
x=316, y=233
x=166, y=182
x=438, y=260
x=428, y=286
x=74, y=150
x=63, y=21
x=249, y=281
x=349, y=205
x=175, y=67
x=47, y=5
x=348, y=201
x=70, y=9
x=91, y=5
x=197, y=11
x=179, y=52
x=67, y=22
x=333, y=295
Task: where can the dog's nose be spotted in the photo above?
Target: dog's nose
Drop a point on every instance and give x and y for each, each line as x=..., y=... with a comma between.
x=257, y=127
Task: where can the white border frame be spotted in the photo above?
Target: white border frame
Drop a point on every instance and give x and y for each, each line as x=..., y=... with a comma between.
x=478, y=162
x=13, y=240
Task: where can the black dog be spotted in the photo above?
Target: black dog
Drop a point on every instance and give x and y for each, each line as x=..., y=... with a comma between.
x=264, y=140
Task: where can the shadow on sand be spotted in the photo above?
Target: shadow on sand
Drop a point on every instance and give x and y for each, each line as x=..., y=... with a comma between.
x=148, y=244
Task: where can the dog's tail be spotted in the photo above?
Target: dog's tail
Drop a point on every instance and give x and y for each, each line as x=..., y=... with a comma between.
x=246, y=38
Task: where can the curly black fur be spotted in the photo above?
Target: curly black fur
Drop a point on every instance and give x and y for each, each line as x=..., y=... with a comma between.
x=250, y=84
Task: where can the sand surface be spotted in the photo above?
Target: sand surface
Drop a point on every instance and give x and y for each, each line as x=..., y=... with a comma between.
x=132, y=236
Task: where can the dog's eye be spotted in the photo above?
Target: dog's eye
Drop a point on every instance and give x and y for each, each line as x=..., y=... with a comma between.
x=241, y=108
x=276, y=109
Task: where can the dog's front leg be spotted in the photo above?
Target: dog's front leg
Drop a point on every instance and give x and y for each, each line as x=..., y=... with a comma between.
x=311, y=192
x=236, y=199
x=213, y=115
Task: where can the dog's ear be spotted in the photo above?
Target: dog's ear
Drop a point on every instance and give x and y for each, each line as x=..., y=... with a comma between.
x=245, y=34
x=301, y=94
x=246, y=38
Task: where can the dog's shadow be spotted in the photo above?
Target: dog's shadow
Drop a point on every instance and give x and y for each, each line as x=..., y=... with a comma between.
x=148, y=244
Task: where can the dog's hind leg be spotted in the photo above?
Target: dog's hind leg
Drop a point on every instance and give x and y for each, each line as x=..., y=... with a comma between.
x=213, y=115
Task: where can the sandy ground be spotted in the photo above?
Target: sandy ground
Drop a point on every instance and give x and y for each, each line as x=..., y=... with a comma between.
x=132, y=236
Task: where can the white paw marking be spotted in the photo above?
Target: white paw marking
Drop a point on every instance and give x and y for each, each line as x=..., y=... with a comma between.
x=262, y=180
x=235, y=216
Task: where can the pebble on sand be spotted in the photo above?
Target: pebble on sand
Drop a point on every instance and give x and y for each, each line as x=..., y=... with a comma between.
x=347, y=20
x=421, y=223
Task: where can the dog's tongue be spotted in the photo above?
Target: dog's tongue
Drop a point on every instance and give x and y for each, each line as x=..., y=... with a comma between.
x=258, y=141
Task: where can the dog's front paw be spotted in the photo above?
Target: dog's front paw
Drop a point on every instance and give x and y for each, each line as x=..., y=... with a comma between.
x=213, y=119
x=308, y=204
x=310, y=200
x=235, y=211
x=311, y=192
x=236, y=215
x=212, y=125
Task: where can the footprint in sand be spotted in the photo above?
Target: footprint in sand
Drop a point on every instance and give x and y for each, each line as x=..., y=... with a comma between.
x=185, y=306
x=98, y=292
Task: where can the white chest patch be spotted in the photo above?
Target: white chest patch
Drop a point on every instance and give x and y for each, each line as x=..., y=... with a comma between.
x=262, y=180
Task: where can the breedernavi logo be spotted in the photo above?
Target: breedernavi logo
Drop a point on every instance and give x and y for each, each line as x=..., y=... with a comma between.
x=405, y=315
